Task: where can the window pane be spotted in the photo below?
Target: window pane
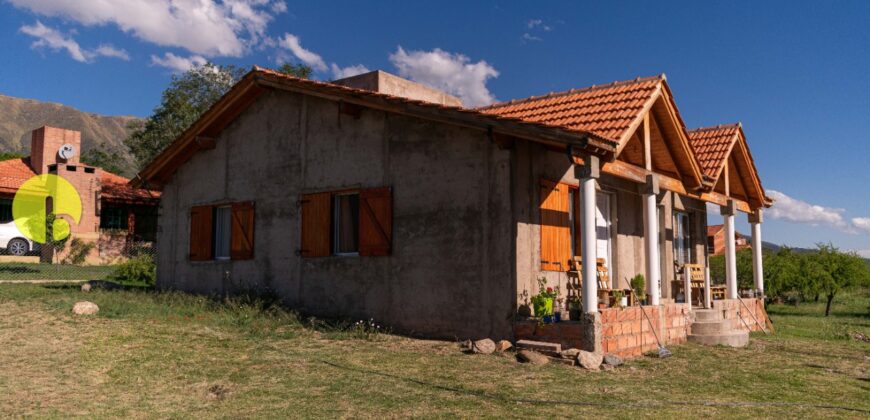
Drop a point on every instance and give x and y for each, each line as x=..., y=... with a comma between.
x=222, y=232
x=346, y=223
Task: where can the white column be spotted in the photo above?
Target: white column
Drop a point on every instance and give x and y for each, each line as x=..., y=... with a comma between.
x=651, y=239
x=708, y=300
x=730, y=251
x=755, y=220
x=587, y=174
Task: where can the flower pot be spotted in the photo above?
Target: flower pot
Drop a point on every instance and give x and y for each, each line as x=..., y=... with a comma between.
x=543, y=306
x=557, y=317
x=548, y=319
x=624, y=301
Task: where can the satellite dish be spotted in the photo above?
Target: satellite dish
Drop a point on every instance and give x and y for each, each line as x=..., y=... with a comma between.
x=66, y=151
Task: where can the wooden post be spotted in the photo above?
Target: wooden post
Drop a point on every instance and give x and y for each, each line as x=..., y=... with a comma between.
x=588, y=173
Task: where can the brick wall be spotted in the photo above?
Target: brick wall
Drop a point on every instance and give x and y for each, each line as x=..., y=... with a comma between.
x=626, y=332
x=569, y=334
x=732, y=309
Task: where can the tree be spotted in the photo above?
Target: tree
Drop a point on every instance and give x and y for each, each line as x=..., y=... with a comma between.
x=837, y=271
x=188, y=96
x=108, y=160
x=10, y=155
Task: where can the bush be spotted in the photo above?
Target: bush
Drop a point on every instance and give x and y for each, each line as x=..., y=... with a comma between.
x=78, y=252
x=141, y=270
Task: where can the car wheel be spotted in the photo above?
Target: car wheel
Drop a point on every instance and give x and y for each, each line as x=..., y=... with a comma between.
x=18, y=247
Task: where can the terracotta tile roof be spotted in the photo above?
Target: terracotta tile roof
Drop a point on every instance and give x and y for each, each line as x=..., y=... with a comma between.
x=712, y=146
x=606, y=110
x=714, y=229
x=117, y=188
x=13, y=173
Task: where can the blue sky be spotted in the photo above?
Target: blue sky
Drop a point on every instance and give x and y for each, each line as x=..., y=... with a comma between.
x=795, y=74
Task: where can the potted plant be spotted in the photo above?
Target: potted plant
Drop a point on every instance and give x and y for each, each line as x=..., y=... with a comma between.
x=543, y=301
x=525, y=310
x=619, y=299
x=638, y=284
x=575, y=308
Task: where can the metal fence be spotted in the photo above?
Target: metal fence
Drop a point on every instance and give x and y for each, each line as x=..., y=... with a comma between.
x=109, y=257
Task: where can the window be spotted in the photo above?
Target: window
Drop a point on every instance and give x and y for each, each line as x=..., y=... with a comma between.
x=345, y=226
x=221, y=234
x=5, y=211
x=711, y=244
x=113, y=218
x=682, y=238
x=355, y=222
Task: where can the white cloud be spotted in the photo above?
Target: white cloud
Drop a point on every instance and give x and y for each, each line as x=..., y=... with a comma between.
x=538, y=23
x=453, y=73
x=342, y=72
x=47, y=37
x=108, y=50
x=863, y=252
x=176, y=63
x=529, y=37
x=862, y=223
x=203, y=27
x=797, y=211
x=312, y=59
x=54, y=39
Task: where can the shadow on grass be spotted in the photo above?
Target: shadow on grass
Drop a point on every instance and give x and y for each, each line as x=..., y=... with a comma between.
x=17, y=269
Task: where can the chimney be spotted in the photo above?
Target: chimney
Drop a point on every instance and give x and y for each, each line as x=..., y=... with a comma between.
x=45, y=144
x=383, y=82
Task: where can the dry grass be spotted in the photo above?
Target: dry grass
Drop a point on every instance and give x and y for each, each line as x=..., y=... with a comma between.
x=171, y=355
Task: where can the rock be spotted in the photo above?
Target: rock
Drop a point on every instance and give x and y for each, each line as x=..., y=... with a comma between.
x=466, y=346
x=612, y=360
x=503, y=346
x=85, y=308
x=589, y=360
x=570, y=353
x=485, y=346
x=607, y=367
x=533, y=357
x=86, y=287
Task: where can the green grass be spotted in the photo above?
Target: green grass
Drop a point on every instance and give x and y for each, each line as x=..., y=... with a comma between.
x=153, y=354
x=40, y=271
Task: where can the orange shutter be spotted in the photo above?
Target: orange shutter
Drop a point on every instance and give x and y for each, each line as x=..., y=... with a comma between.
x=375, y=222
x=316, y=216
x=555, y=228
x=200, y=233
x=242, y=231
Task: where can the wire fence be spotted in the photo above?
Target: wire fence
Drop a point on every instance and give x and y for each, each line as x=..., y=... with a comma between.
x=110, y=256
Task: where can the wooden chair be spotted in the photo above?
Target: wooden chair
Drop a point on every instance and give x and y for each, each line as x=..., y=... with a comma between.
x=605, y=292
x=695, y=275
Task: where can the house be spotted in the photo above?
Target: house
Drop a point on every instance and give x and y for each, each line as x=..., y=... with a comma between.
x=439, y=220
x=114, y=215
x=716, y=240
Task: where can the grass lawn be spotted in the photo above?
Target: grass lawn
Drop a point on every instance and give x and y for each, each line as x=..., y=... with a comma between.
x=172, y=355
x=39, y=271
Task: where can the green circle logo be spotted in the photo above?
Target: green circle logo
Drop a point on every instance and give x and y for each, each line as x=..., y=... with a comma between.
x=29, y=207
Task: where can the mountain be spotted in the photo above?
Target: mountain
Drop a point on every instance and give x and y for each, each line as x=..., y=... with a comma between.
x=18, y=117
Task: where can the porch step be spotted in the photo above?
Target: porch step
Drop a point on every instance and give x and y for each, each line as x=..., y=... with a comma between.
x=714, y=327
x=539, y=346
x=708, y=314
x=732, y=338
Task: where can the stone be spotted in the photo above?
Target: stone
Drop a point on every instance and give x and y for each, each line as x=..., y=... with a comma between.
x=503, y=346
x=85, y=308
x=466, y=346
x=589, y=360
x=613, y=360
x=533, y=357
x=485, y=346
x=606, y=367
x=86, y=287
x=570, y=353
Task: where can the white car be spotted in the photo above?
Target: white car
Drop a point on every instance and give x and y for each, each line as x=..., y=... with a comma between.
x=13, y=240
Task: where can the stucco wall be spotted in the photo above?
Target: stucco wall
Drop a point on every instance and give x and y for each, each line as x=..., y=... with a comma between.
x=450, y=272
x=534, y=162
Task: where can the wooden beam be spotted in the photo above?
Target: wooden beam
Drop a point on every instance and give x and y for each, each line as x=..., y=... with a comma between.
x=725, y=172
x=647, y=152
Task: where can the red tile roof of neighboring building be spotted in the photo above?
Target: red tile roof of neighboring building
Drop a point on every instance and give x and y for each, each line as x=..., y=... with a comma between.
x=15, y=172
x=714, y=229
x=712, y=145
x=606, y=110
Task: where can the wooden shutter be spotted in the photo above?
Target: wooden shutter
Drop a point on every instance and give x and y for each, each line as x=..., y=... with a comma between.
x=375, y=222
x=242, y=231
x=555, y=228
x=200, y=233
x=316, y=217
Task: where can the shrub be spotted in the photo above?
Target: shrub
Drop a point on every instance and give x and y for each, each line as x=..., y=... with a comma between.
x=78, y=252
x=638, y=284
x=140, y=269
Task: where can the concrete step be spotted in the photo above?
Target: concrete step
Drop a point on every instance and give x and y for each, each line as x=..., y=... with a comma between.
x=708, y=314
x=539, y=346
x=732, y=339
x=714, y=327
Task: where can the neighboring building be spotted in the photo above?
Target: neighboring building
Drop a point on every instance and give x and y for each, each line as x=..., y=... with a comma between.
x=716, y=240
x=432, y=219
x=114, y=215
